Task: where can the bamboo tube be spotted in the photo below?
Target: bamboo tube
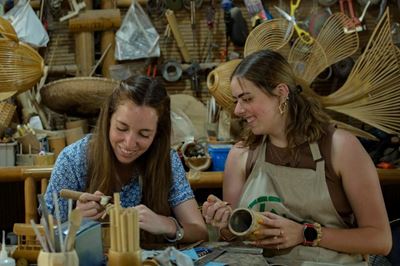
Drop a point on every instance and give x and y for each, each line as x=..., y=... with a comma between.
x=113, y=233
x=96, y=20
x=131, y=228
x=84, y=48
x=177, y=35
x=117, y=206
x=124, y=231
x=107, y=38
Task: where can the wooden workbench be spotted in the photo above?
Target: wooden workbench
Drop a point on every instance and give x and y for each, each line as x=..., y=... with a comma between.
x=31, y=175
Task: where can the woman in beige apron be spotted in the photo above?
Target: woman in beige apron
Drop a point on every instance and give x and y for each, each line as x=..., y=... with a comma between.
x=293, y=199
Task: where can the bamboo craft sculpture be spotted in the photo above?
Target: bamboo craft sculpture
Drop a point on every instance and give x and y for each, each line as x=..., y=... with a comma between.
x=371, y=93
x=331, y=46
x=124, y=235
x=219, y=83
x=274, y=34
x=21, y=67
x=372, y=90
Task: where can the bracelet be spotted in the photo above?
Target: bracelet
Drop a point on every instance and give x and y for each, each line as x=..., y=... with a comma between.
x=179, y=231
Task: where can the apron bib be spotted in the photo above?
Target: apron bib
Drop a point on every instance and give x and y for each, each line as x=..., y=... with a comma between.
x=301, y=195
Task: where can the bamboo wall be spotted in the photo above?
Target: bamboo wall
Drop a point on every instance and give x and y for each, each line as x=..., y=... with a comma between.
x=60, y=53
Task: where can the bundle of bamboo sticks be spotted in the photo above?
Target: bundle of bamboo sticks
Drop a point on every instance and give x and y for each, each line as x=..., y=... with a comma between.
x=124, y=228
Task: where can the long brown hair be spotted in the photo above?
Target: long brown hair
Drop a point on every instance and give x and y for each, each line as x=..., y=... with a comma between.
x=154, y=165
x=306, y=118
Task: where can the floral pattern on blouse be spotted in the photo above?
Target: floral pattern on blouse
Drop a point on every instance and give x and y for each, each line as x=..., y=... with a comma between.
x=70, y=170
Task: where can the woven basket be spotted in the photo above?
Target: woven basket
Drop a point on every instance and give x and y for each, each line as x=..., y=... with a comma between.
x=81, y=96
x=219, y=84
x=273, y=34
x=6, y=114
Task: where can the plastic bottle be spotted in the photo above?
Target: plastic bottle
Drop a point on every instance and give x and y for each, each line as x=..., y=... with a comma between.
x=4, y=259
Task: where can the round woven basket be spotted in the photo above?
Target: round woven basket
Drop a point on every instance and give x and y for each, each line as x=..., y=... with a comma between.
x=272, y=34
x=81, y=96
x=219, y=84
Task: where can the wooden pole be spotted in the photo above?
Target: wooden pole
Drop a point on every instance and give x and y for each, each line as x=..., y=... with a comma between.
x=107, y=38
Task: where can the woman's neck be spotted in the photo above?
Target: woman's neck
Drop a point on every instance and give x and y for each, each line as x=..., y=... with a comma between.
x=125, y=172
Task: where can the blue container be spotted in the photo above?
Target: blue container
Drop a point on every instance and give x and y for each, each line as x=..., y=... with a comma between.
x=218, y=153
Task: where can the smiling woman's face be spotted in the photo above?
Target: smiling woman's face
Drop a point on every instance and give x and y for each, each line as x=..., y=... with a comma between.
x=132, y=130
x=256, y=107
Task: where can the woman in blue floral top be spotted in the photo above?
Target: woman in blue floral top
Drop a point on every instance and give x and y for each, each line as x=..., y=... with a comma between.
x=129, y=152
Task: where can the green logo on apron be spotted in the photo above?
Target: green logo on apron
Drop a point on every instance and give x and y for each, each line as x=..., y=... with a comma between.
x=262, y=200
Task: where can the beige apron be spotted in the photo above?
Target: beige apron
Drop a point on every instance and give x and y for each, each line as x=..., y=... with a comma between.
x=301, y=195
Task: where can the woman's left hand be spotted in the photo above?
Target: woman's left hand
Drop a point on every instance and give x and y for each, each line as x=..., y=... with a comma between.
x=278, y=232
x=154, y=223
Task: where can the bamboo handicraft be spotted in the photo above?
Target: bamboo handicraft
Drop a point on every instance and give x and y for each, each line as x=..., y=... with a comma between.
x=21, y=67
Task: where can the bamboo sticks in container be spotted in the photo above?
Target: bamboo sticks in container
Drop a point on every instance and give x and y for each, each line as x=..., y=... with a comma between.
x=124, y=235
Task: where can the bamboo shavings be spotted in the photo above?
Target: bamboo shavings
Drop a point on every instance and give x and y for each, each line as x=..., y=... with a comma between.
x=124, y=228
x=330, y=46
x=371, y=93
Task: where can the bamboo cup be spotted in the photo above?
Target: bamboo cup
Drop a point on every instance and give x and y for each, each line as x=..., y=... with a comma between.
x=58, y=259
x=73, y=134
x=83, y=123
x=244, y=222
x=133, y=258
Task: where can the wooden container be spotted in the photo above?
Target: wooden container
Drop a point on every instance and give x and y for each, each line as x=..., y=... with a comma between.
x=83, y=123
x=243, y=222
x=29, y=143
x=73, y=134
x=56, y=144
x=58, y=259
x=124, y=258
x=43, y=159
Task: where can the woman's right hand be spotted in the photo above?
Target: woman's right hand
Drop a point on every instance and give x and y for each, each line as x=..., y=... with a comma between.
x=89, y=205
x=216, y=212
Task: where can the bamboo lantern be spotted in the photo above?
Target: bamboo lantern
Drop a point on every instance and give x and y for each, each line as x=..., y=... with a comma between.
x=21, y=67
x=219, y=84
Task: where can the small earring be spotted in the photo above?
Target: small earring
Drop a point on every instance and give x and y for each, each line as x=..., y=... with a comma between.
x=283, y=106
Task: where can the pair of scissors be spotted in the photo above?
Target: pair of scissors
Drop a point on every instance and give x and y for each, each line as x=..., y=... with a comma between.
x=303, y=35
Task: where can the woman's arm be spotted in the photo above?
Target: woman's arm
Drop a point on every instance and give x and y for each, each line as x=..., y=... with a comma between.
x=361, y=185
x=235, y=174
x=67, y=173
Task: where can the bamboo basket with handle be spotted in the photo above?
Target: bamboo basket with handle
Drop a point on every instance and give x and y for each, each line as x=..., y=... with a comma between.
x=21, y=67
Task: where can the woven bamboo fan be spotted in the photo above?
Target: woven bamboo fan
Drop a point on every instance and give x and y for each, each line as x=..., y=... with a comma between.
x=371, y=93
x=21, y=67
x=219, y=84
x=331, y=46
x=272, y=34
x=81, y=96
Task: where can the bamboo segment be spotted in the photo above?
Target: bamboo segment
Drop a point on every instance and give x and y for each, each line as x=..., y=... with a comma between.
x=177, y=35
x=96, y=20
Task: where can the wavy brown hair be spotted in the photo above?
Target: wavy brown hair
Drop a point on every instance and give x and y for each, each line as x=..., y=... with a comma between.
x=154, y=165
x=306, y=118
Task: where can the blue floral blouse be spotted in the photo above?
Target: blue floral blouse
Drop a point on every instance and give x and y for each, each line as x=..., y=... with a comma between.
x=70, y=172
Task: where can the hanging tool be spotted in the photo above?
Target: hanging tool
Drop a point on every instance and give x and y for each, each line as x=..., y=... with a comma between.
x=303, y=35
x=193, y=20
x=193, y=72
x=152, y=68
x=210, y=15
x=357, y=22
